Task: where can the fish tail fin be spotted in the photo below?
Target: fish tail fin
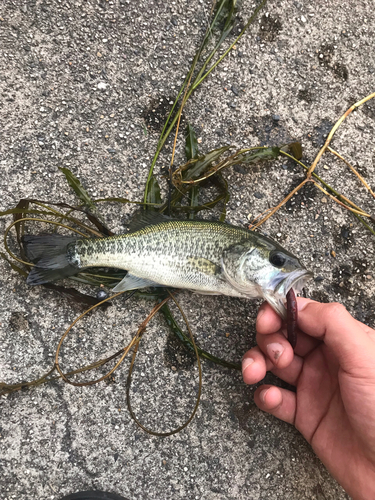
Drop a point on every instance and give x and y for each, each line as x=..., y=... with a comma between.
x=49, y=253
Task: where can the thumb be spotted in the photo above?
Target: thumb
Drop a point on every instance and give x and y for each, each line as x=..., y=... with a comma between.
x=333, y=324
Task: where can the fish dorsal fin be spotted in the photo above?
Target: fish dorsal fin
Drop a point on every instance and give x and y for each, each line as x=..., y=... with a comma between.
x=145, y=218
x=131, y=282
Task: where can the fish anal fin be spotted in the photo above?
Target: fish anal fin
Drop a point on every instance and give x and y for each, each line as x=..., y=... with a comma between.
x=131, y=282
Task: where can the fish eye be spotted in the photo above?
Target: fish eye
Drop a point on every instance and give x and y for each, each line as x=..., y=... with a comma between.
x=277, y=259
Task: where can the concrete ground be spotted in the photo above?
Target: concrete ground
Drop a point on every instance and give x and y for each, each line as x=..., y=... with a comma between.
x=84, y=84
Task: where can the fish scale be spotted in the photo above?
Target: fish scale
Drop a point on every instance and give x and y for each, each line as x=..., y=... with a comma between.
x=167, y=253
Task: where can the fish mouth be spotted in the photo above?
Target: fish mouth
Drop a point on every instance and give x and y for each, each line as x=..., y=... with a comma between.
x=277, y=297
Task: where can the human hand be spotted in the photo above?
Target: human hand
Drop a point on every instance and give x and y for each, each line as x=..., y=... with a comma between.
x=333, y=370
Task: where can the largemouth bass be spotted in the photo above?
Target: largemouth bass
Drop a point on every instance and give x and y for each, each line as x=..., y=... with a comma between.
x=201, y=256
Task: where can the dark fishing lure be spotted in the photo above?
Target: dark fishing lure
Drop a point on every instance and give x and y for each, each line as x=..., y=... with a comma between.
x=291, y=317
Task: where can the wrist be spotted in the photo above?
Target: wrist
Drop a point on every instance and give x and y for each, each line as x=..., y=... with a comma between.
x=360, y=484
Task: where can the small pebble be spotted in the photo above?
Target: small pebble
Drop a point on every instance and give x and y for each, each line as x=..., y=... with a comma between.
x=333, y=253
x=258, y=195
x=102, y=85
x=324, y=199
x=234, y=89
x=345, y=233
x=101, y=295
x=303, y=19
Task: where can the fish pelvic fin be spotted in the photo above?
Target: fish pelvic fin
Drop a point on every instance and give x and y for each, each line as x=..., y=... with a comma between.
x=131, y=282
x=49, y=253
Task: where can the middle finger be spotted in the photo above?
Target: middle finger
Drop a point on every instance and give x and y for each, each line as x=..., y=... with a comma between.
x=255, y=365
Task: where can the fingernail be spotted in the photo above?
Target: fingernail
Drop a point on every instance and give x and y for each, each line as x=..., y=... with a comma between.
x=246, y=362
x=260, y=313
x=262, y=395
x=274, y=351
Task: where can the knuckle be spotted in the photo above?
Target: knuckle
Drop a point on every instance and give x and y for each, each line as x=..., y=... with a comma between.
x=334, y=310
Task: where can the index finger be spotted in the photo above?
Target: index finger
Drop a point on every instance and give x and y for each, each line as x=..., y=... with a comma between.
x=269, y=322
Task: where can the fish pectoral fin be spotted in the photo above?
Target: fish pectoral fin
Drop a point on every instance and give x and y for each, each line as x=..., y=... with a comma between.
x=131, y=282
x=205, y=266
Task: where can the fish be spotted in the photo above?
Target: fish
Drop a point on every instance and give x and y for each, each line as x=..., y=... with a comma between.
x=206, y=257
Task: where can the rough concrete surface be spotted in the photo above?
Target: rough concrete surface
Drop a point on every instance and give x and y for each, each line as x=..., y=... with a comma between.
x=79, y=81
